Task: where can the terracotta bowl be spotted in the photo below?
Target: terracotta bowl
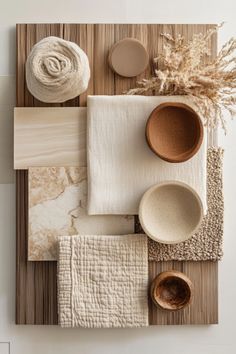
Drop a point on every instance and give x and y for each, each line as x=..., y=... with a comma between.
x=172, y=290
x=128, y=57
x=170, y=212
x=174, y=132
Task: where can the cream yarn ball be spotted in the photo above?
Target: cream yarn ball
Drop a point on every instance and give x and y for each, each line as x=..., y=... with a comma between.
x=57, y=70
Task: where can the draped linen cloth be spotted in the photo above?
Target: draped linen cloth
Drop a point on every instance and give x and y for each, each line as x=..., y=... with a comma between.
x=121, y=166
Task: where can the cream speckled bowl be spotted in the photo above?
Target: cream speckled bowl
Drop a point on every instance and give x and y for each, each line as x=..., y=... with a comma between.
x=170, y=212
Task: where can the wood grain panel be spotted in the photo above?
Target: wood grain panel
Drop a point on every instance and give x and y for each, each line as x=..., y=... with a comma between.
x=103, y=76
x=203, y=309
x=49, y=137
x=36, y=300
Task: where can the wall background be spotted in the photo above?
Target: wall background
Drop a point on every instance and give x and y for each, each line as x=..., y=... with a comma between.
x=166, y=340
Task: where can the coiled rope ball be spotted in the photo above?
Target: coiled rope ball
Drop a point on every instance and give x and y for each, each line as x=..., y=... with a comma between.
x=57, y=70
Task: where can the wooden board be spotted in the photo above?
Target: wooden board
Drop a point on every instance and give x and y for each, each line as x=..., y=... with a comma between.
x=36, y=293
x=49, y=137
x=203, y=309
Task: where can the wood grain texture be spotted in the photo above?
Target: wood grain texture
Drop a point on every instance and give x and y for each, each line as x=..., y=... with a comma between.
x=36, y=292
x=203, y=309
x=49, y=137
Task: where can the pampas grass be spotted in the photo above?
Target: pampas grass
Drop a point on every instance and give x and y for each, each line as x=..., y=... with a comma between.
x=181, y=70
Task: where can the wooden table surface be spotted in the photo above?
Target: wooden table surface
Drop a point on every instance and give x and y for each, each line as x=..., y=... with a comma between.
x=36, y=288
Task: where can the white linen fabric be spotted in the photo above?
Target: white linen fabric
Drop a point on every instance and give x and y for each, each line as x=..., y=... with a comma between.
x=57, y=70
x=103, y=281
x=121, y=166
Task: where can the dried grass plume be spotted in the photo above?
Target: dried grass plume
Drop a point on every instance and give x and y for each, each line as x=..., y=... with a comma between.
x=182, y=70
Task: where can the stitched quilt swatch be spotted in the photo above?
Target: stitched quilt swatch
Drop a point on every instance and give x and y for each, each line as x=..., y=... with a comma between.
x=103, y=281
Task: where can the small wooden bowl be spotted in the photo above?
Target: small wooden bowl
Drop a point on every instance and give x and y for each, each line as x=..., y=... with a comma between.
x=172, y=290
x=174, y=132
x=128, y=57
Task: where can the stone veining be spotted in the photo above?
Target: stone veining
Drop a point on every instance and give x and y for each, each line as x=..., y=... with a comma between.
x=58, y=207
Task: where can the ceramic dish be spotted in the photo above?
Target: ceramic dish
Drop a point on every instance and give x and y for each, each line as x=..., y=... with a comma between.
x=128, y=57
x=170, y=212
x=174, y=132
x=172, y=290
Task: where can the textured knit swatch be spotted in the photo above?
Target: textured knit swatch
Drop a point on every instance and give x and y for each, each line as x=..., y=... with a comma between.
x=103, y=281
x=206, y=243
x=57, y=70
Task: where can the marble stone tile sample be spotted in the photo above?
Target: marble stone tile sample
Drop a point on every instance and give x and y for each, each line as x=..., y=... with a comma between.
x=121, y=166
x=58, y=207
x=49, y=137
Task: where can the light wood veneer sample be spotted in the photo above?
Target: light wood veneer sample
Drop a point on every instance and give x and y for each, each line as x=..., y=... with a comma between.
x=49, y=137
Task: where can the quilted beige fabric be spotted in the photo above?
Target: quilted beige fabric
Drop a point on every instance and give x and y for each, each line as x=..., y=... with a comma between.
x=103, y=281
x=57, y=70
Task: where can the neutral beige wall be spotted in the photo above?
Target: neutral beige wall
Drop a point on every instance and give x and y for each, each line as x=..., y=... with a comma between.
x=164, y=340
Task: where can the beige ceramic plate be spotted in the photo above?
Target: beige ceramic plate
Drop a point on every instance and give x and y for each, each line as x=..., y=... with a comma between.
x=170, y=212
x=128, y=57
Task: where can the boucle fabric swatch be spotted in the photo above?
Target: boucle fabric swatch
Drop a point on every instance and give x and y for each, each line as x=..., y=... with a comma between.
x=121, y=166
x=206, y=243
x=103, y=281
x=56, y=70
